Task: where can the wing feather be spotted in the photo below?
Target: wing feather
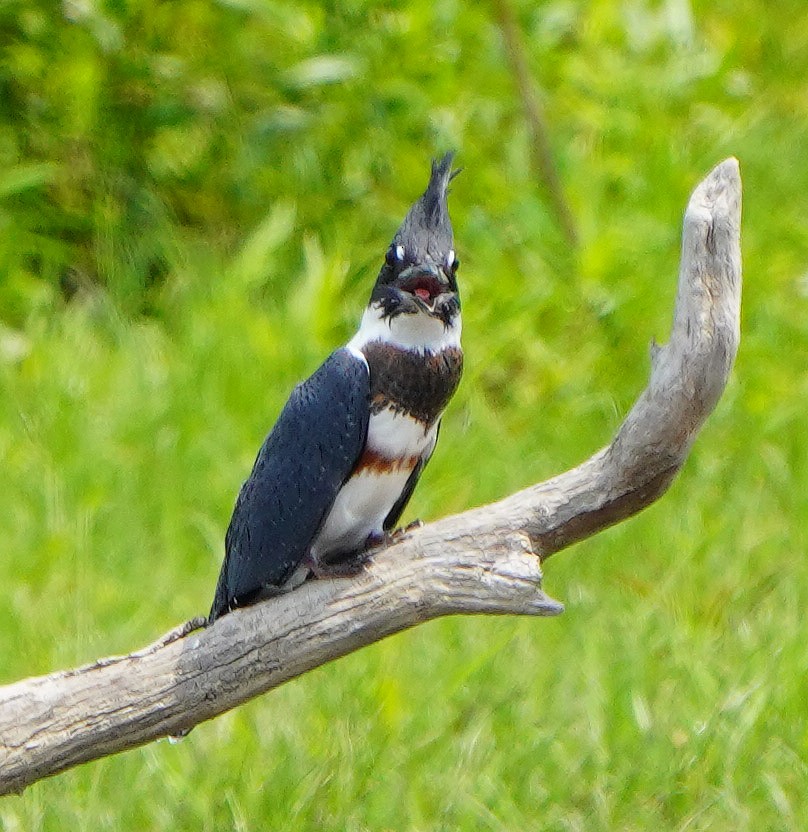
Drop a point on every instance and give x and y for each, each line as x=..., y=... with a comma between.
x=301, y=466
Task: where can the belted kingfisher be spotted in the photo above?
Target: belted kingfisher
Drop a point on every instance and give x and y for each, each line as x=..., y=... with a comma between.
x=341, y=463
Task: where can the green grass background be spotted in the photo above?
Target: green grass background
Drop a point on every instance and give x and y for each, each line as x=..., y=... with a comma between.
x=194, y=199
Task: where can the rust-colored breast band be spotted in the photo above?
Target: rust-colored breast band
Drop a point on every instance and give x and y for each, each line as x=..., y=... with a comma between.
x=373, y=462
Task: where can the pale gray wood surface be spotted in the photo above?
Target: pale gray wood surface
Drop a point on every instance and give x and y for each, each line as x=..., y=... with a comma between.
x=487, y=560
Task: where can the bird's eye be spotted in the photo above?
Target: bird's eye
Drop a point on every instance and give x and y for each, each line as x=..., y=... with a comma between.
x=395, y=254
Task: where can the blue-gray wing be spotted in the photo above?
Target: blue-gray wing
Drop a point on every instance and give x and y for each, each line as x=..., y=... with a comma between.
x=302, y=465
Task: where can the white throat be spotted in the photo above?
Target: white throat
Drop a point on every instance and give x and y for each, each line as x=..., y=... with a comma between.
x=419, y=332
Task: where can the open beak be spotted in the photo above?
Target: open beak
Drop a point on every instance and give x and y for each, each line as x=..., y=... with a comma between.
x=426, y=283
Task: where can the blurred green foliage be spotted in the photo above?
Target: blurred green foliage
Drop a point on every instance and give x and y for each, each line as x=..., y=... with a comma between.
x=194, y=198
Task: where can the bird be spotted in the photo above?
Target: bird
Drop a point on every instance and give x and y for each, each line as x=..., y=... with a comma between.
x=338, y=468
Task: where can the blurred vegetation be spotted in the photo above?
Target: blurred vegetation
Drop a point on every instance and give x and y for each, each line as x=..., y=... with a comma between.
x=194, y=199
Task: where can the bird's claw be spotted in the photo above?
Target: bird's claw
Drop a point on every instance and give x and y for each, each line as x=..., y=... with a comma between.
x=400, y=533
x=380, y=540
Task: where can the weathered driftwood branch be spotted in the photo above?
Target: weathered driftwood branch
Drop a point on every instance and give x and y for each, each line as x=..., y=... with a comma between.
x=481, y=561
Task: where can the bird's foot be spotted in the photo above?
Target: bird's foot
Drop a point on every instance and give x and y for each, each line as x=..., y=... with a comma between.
x=350, y=567
x=412, y=526
x=379, y=540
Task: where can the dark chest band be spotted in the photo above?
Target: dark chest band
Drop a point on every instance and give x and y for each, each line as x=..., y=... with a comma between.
x=418, y=384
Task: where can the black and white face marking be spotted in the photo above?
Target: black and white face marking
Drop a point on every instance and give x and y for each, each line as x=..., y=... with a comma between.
x=418, y=331
x=414, y=305
x=408, y=287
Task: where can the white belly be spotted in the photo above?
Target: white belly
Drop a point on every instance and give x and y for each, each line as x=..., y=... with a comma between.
x=366, y=499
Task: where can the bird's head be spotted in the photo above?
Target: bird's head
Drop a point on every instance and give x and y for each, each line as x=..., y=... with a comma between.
x=419, y=275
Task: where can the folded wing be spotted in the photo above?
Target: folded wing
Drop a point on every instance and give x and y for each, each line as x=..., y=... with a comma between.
x=302, y=465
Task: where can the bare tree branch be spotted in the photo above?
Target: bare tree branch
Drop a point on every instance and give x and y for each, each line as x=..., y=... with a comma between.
x=481, y=561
